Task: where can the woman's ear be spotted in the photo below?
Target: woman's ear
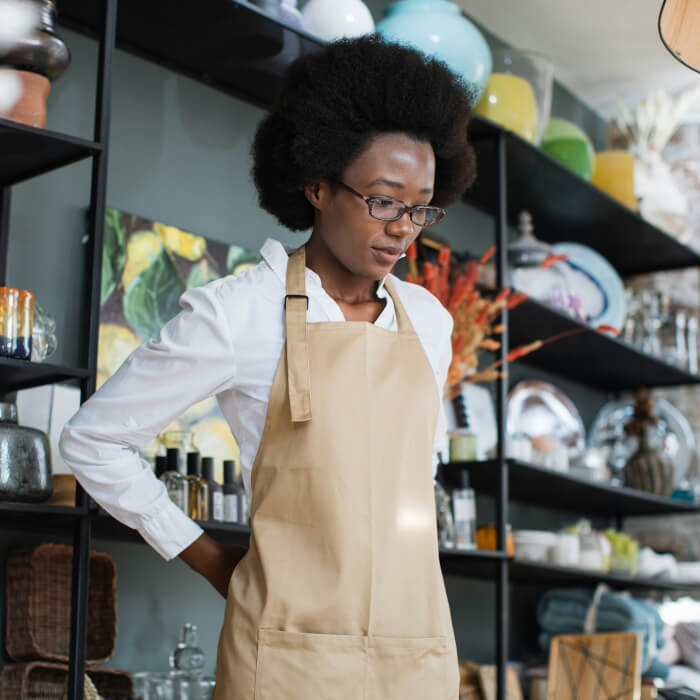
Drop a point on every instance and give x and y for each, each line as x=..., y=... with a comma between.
x=317, y=194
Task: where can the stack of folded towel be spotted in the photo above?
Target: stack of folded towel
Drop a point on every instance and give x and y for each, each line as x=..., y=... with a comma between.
x=589, y=610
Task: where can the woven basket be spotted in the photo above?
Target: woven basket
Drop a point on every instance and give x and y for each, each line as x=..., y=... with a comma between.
x=38, y=604
x=41, y=680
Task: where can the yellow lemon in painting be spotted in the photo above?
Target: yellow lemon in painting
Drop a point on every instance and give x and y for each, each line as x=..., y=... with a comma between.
x=115, y=344
x=184, y=244
x=141, y=249
x=214, y=439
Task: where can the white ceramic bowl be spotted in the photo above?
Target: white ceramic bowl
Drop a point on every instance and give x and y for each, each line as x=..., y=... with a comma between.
x=533, y=544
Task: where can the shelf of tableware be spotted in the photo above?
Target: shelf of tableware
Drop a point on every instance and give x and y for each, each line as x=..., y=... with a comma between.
x=22, y=374
x=591, y=357
x=473, y=564
x=564, y=206
x=543, y=574
x=27, y=151
x=528, y=483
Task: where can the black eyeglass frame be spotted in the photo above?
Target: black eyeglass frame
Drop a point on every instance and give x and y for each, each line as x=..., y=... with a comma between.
x=368, y=200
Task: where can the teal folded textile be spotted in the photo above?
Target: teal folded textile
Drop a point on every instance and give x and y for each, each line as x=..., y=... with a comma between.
x=564, y=610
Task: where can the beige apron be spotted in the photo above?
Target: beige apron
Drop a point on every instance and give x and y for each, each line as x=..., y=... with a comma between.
x=340, y=595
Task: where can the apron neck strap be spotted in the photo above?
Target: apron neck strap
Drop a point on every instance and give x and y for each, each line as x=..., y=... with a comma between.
x=296, y=304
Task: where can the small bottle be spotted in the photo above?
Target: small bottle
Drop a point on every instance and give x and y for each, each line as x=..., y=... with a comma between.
x=188, y=658
x=242, y=501
x=175, y=483
x=25, y=321
x=172, y=454
x=198, y=488
x=231, y=495
x=216, y=492
x=464, y=511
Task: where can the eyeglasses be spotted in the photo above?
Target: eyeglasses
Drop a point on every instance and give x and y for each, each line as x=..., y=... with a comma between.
x=389, y=209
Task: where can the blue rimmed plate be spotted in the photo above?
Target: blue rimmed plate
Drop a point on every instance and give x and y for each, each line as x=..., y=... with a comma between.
x=595, y=282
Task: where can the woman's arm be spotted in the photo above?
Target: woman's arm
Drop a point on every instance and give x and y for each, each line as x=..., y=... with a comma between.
x=213, y=560
x=192, y=359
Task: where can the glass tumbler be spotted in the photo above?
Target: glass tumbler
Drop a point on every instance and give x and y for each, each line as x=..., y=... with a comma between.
x=25, y=324
x=9, y=297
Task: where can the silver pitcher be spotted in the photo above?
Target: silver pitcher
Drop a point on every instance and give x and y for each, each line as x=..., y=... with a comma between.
x=25, y=458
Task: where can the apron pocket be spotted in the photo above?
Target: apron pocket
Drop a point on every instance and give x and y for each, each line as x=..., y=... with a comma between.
x=305, y=666
x=412, y=668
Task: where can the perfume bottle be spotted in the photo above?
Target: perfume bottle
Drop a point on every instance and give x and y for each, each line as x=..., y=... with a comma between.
x=175, y=483
x=198, y=488
x=231, y=494
x=172, y=454
x=216, y=493
x=464, y=511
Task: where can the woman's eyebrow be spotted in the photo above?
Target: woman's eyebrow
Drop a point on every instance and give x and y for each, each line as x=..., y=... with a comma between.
x=393, y=183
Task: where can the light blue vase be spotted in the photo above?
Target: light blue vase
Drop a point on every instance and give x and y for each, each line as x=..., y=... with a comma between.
x=438, y=28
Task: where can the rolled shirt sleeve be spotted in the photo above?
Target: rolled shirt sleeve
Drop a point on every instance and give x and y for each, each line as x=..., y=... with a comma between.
x=192, y=359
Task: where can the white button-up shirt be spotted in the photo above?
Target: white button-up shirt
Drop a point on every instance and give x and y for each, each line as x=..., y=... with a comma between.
x=226, y=342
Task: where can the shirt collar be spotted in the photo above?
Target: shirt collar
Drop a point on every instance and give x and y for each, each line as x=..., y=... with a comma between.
x=277, y=257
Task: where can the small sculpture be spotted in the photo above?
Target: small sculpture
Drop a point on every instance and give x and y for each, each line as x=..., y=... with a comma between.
x=648, y=469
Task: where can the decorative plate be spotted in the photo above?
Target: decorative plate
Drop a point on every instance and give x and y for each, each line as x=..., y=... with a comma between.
x=539, y=409
x=596, y=283
x=673, y=430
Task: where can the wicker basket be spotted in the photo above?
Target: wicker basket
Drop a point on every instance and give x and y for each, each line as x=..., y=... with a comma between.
x=38, y=610
x=42, y=680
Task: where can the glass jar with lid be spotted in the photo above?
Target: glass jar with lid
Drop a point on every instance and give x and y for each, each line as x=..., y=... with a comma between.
x=526, y=257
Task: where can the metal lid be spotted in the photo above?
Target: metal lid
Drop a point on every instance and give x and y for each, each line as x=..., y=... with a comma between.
x=526, y=250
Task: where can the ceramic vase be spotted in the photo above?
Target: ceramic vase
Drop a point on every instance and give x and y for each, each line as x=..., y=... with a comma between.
x=39, y=58
x=439, y=29
x=335, y=19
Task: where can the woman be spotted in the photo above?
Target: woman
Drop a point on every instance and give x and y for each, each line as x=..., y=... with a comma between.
x=329, y=371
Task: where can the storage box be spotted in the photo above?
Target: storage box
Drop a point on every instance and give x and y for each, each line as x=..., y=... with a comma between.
x=38, y=604
x=42, y=680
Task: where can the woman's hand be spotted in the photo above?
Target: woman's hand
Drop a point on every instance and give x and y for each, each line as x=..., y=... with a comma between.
x=213, y=560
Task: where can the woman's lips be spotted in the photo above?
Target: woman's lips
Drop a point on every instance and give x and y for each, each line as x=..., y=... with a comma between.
x=386, y=256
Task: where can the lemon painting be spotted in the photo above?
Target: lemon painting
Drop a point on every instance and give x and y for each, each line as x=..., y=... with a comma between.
x=146, y=267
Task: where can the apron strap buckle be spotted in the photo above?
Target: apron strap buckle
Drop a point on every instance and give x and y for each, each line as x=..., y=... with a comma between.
x=296, y=296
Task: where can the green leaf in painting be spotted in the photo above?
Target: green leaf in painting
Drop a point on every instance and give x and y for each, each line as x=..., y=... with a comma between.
x=113, y=253
x=152, y=297
x=202, y=273
x=238, y=256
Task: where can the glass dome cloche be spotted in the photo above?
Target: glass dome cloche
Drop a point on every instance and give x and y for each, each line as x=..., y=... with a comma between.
x=439, y=29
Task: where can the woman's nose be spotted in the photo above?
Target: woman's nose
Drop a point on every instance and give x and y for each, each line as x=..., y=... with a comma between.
x=401, y=227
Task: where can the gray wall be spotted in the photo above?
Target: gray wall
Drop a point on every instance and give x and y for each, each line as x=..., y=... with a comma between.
x=179, y=153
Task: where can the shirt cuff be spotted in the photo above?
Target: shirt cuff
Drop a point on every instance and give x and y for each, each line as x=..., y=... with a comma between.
x=169, y=531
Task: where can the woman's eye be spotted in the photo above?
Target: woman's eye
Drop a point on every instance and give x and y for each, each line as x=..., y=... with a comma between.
x=384, y=202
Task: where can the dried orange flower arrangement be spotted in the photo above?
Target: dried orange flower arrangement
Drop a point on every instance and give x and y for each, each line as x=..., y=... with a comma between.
x=476, y=314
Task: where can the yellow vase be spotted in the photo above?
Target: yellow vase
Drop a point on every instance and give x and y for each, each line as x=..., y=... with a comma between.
x=509, y=100
x=613, y=172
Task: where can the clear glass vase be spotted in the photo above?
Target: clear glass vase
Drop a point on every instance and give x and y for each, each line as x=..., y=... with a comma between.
x=519, y=93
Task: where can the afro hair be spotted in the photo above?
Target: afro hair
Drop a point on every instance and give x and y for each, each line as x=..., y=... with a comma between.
x=334, y=101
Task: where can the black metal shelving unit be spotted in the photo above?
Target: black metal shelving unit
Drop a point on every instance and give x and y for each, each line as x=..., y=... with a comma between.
x=215, y=47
